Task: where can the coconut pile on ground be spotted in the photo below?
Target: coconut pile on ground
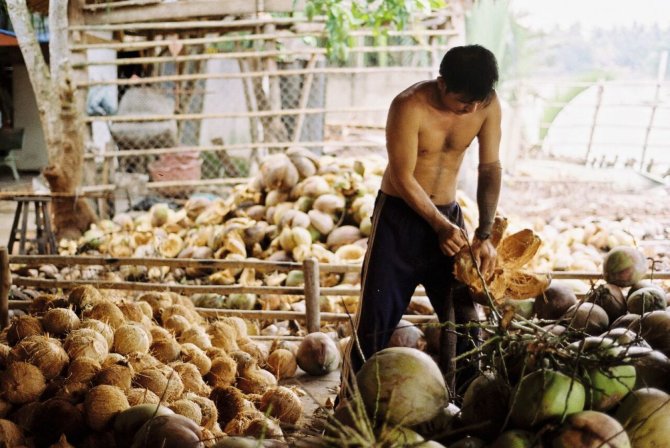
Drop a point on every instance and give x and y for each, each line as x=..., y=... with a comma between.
x=554, y=371
x=93, y=370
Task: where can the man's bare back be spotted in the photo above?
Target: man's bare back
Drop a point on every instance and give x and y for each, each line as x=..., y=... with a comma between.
x=443, y=136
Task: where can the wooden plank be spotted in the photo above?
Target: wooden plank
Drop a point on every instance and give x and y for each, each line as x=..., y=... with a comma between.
x=108, y=6
x=312, y=295
x=5, y=286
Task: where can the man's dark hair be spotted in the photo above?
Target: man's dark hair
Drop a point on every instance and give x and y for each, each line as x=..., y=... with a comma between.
x=471, y=70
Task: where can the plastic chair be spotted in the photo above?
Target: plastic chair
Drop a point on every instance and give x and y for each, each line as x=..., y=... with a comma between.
x=10, y=140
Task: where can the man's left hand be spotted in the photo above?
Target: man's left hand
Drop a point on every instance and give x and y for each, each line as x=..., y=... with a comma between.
x=485, y=256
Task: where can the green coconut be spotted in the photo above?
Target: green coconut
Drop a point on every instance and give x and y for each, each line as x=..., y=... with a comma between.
x=608, y=385
x=515, y=438
x=645, y=300
x=405, y=385
x=624, y=266
x=645, y=415
x=544, y=395
x=590, y=429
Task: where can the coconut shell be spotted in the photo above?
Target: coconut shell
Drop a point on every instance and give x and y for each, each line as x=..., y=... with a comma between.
x=106, y=312
x=22, y=383
x=43, y=352
x=261, y=426
x=222, y=372
x=256, y=381
x=22, y=327
x=210, y=414
x=10, y=434
x=132, y=311
x=165, y=350
x=114, y=359
x=224, y=336
x=169, y=431
x=104, y=329
x=194, y=355
x=258, y=351
x=86, y=342
x=60, y=321
x=137, y=395
x=85, y=296
x=131, y=338
x=188, y=409
x=191, y=378
x=177, y=324
x=101, y=405
x=196, y=335
x=82, y=370
x=115, y=375
x=158, y=333
x=168, y=389
x=282, y=363
x=142, y=361
x=56, y=417
x=283, y=404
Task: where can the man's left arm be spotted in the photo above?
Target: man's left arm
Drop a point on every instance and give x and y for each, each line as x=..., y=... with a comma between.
x=489, y=183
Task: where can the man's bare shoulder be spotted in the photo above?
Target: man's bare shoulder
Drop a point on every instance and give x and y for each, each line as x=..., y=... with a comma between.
x=415, y=97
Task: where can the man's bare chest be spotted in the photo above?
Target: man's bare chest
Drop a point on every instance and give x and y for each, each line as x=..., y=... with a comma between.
x=452, y=137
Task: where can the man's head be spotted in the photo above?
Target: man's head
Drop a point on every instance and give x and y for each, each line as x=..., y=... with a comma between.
x=469, y=74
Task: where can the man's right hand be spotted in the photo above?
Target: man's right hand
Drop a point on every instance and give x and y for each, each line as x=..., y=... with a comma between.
x=450, y=238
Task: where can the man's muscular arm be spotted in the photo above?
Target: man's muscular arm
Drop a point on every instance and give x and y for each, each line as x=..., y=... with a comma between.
x=488, y=186
x=402, y=140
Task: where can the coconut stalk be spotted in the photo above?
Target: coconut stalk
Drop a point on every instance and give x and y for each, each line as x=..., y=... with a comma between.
x=59, y=116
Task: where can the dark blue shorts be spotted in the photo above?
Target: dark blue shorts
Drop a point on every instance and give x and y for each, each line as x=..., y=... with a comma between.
x=403, y=252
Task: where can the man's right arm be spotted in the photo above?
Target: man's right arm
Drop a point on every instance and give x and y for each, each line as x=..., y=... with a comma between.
x=402, y=141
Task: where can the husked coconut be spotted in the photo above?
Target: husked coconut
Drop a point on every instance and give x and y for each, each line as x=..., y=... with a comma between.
x=60, y=321
x=116, y=375
x=82, y=370
x=101, y=405
x=191, y=378
x=282, y=363
x=101, y=327
x=131, y=338
x=22, y=383
x=86, y=342
x=84, y=296
x=193, y=354
x=188, y=409
x=283, y=404
x=138, y=395
x=44, y=352
x=106, y=312
x=23, y=326
x=210, y=415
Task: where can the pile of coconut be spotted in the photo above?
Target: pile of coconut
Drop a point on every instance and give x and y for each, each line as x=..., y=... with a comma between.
x=93, y=370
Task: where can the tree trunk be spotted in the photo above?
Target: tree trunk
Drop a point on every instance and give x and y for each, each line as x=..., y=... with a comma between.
x=59, y=115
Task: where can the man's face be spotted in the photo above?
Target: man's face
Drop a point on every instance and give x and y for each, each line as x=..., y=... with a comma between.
x=458, y=103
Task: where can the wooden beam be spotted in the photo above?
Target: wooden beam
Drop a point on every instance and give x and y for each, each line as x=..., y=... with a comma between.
x=5, y=286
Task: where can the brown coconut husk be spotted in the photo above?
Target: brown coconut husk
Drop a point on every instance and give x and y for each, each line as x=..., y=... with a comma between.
x=223, y=336
x=86, y=342
x=106, y=312
x=158, y=333
x=24, y=415
x=58, y=417
x=114, y=359
x=230, y=403
x=85, y=296
x=82, y=370
x=238, y=324
x=71, y=391
x=132, y=311
x=10, y=434
x=146, y=309
x=192, y=379
x=177, y=324
x=60, y=321
x=283, y=404
x=165, y=350
x=62, y=443
x=138, y=395
x=22, y=327
x=131, y=338
x=22, y=383
x=215, y=352
x=4, y=354
x=142, y=361
x=158, y=301
x=41, y=304
x=210, y=414
x=193, y=354
x=116, y=375
x=282, y=364
x=256, y=381
x=5, y=408
x=188, y=409
x=262, y=426
x=196, y=335
x=223, y=372
x=179, y=310
x=43, y=352
x=102, y=403
x=167, y=387
x=104, y=329
x=260, y=352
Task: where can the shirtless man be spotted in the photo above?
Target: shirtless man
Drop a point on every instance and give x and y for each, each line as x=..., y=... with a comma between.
x=417, y=224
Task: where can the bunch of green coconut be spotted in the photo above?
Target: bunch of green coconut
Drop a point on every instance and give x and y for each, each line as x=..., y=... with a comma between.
x=557, y=372
x=89, y=369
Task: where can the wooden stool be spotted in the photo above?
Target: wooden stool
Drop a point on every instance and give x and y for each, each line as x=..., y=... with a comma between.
x=44, y=237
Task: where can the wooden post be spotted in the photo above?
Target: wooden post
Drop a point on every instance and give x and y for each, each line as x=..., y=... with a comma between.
x=5, y=285
x=304, y=98
x=657, y=94
x=312, y=294
x=596, y=112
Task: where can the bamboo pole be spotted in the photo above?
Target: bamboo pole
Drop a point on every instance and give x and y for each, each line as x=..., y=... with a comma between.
x=110, y=5
x=5, y=286
x=304, y=98
x=297, y=315
x=196, y=24
x=312, y=294
x=594, y=121
x=654, y=106
x=96, y=189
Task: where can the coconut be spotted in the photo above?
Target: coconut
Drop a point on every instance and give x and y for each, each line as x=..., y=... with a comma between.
x=587, y=317
x=177, y=324
x=543, y=395
x=193, y=354
x=655, y=329
x=485, y=403
x=129, y=421
x=167, y=387
x=106, y=312
x=404, y=384
x=210, y=414
x=146, y=309
x=168, y=431
x=191, y=378
x=223, y=371
x=131, y=338
x=132, y=311
x=282, y=363
x=138, y=395
x=4, y=355
x=158, y=301
x=5, y=408
x=188, y=409
x=229, y=402
x=85, y=296
x=197, y=336
x=101, y=405
x=407, y=334
x=101, y=327
x=82, y=370
x=141, y=361
x=283, y=404
x=215, y=352
x=516, y=438
x=60, y=321
x=25, y=415
x=608, y=385
x=114, y=359
x=610, y=298
x=43, y=352
x=628, y=321
x=261, y=426
x=56, y=417
x=86, y=342
x=10, y=434
x=22, y=383
x=554, y=301
x=116, y=375
x=179, y=310
x=258, y=351
x=645, y=300
x=158, y=333
x=22, y=327
x=223, y=336
x=254, y=380
x=165, y=350
x=318, y=354
x=624, y=266
x=644, y=414
x=73, y=392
